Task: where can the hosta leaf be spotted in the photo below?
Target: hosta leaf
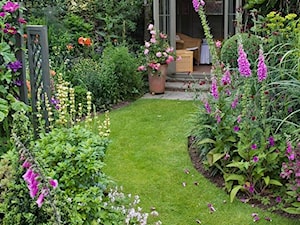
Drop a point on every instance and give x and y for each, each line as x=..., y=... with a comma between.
x=234, y=191
x=292, y=210
x=275, y=182
x=206, y=141
x=239, y=178
x=213, y=158
x=267, y=180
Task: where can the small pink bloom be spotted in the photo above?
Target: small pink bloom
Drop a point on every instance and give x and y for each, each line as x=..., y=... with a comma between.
x=141, y=68
x=170, y=59
x=147, y=44
x=22, y=20
x=153, y=40
x=26, y=164
x=226, y=80
x=40, y=200
x=150, y=27
x=158, y=54
x=53, y=183
x=163, y=36
x=146, y=51
x=218, y=44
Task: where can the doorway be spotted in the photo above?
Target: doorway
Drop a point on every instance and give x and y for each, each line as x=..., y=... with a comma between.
x=179, y=16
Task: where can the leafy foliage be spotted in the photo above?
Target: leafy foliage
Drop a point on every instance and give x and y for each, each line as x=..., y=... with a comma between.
x=113, y=79
x=229, y=53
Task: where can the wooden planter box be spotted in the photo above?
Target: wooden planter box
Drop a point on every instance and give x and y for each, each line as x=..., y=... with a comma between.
x=186, y=62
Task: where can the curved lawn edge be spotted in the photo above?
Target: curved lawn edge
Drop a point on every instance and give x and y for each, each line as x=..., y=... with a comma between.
x=148, y=156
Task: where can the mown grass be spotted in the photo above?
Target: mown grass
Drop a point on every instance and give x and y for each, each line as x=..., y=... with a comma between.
x=148, y=156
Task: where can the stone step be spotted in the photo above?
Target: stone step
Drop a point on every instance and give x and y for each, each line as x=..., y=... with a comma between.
x=188, y=85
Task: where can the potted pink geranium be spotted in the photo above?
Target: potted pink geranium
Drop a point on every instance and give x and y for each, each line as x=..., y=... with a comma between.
x=158, y=54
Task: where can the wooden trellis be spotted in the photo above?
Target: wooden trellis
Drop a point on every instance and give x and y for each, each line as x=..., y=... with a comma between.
x=38, y=58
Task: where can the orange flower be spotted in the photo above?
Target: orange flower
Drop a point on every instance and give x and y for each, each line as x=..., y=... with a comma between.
x=70, y=47
x=25, y=36
x=88, y=41
x=81, y=41
x=84, y=41
x=28, y=86
x=52, y=73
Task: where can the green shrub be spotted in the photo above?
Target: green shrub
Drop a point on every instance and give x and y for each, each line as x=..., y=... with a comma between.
x=123, y=65
x=111, y=80
x=229, y=53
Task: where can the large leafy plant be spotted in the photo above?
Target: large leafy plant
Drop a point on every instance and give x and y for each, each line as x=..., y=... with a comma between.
x=10, y=24
x=237, y=130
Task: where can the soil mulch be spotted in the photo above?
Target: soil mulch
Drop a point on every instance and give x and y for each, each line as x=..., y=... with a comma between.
x=219, y=182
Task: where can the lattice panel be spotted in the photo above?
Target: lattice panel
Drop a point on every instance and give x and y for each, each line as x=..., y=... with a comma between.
x=38, y=57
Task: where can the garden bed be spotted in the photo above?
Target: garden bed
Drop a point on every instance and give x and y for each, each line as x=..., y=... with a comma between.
x=218, y=180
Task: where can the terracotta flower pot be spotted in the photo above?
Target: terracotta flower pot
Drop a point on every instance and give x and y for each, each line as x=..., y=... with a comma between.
x=157, y=80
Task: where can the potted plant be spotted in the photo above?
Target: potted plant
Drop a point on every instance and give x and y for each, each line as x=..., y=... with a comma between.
x=157, y=54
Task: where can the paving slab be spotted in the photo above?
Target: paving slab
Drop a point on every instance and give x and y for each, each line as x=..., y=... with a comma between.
x=177, y=95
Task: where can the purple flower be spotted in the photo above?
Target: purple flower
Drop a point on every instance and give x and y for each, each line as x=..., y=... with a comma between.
x=18, y=83
x=251, y=188
x=278, y=199
x=243, y=63
x=234, y=103
x=9, y=29
x=255, y=159
x=227, y=156
x=254, y=146
x=207, y=107
x=271, y=141
x=197, y=4
x=226, y=80
x=211, y=208
x=40, y=200
x=2, y=14
x=26, y=164
x=53, y=183
x=262, y=69
x=214, y=88
x=268, y=219
x=236, y=128
x=22, y=20
x=10, y=7
x=228, y=92
x=14, y=66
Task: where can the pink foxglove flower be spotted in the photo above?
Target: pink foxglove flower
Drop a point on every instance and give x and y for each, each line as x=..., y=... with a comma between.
x=40, y=200
x=214, y=88
x=243, y=63
x=262, y=69
x=53, y=183
x=234, y=103
x=207, y=107
x=226, y=80
x=10, y=7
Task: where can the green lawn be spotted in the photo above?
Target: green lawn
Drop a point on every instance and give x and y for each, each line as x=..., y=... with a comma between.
x=148, y=156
